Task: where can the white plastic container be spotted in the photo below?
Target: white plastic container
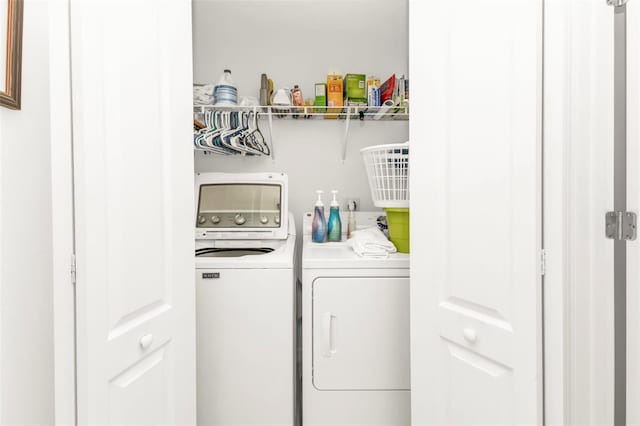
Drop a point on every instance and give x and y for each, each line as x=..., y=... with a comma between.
x=388, y=172
x=225, y=92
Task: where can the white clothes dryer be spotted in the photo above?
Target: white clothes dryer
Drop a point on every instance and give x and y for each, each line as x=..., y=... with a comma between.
x=245, y=300
x=355, y=334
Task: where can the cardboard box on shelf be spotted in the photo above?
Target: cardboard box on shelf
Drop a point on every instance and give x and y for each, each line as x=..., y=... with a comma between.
x=387, y=89
x=334, y=95
x=373, y=91
x=321, y=97
x=355, y=88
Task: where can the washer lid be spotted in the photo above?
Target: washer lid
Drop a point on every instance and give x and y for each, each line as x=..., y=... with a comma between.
x=232, y=251
x=341, y=256
x=247, y=254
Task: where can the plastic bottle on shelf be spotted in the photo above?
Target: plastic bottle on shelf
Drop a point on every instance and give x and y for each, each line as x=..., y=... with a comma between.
x=264, y=90
x=335, y=224
x=297, y=101
x=225, y=92
x=351, y=222
x=319, y=224
x=296, y=96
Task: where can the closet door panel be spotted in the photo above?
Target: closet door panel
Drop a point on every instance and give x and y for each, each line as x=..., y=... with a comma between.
x=476, y=212
x=133, y=167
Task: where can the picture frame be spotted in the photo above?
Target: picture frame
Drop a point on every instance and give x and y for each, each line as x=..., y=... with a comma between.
x=11, y=13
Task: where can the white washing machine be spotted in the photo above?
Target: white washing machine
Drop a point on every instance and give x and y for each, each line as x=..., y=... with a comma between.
x=245, y=307
x=355, y=335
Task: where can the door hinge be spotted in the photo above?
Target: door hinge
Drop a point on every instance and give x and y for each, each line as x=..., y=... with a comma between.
x=617, y=3
x=543, y=262
x=73, y=269
x=621, y=226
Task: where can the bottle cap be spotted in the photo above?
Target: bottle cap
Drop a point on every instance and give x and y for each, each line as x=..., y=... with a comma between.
x=334, y=202
x=319, y=202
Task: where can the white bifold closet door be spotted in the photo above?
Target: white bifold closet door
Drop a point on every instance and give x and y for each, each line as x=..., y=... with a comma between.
x=476, y=212
x=133, y=164
x=633, y=205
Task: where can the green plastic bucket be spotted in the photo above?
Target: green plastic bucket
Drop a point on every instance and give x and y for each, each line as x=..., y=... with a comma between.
x=398, y=222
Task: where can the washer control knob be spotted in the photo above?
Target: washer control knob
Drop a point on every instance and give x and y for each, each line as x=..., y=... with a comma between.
x=264, y=220
x=201, y=220
x=239, y=219
x=215, y=219
x=277, y=220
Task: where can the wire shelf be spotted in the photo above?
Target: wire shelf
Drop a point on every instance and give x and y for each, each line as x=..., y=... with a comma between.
x=346, y=113
x=353, y=112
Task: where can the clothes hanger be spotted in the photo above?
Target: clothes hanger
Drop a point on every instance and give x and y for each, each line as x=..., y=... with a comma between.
x=215, y=123
x=259, y=137
x=246, y=139
x=231, y=127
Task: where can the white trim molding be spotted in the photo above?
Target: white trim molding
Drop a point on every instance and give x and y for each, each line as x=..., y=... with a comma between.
x=578, y=139
x=62, y=213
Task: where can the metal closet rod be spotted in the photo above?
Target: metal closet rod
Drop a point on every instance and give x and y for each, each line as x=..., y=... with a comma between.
x=347, y=113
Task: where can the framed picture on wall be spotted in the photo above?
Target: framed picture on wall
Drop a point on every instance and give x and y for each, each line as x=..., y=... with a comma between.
x=10, y=52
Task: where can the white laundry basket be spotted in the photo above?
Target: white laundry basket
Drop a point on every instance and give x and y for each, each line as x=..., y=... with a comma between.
x=388, y=172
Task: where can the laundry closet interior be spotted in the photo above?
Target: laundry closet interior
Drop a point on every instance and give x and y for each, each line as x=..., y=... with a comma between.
x=324, y=309
x=299, y=43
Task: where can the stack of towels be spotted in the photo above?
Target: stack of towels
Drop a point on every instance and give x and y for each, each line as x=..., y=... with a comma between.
x=371, y=243
x=203, y=94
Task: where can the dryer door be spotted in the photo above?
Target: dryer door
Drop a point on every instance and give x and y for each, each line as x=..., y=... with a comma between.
x=361, y=333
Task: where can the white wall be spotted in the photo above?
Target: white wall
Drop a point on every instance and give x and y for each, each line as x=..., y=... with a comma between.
x=298, y=42
x=26, y=318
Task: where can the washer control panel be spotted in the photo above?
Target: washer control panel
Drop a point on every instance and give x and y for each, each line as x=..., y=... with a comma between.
x=235, y=205
x=239, y=220
x=229, y=204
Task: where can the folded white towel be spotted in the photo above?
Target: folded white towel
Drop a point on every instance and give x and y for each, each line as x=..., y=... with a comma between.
x=203, y=94
x=371, y=242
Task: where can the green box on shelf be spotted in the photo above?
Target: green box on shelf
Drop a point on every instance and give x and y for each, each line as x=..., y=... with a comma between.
x=355, y=87
x=321, y=97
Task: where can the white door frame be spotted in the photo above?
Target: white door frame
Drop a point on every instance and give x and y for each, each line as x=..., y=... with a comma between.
x=62, y=213
x=633, y=204
x=578, y=190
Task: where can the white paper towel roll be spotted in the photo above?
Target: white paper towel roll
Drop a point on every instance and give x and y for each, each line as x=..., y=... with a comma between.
x=384, y=109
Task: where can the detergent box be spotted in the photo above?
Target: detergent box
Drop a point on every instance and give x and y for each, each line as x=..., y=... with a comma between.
x=355, y=89
x=321, y=97
x=334, y=94
x=373, y=91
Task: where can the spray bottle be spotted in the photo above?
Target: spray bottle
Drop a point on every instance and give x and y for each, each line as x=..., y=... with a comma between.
x=319, y=224
x=335, y=225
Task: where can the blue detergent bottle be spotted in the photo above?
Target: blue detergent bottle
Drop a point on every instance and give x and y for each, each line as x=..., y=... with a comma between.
x=335, y=224
x=319, y=224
